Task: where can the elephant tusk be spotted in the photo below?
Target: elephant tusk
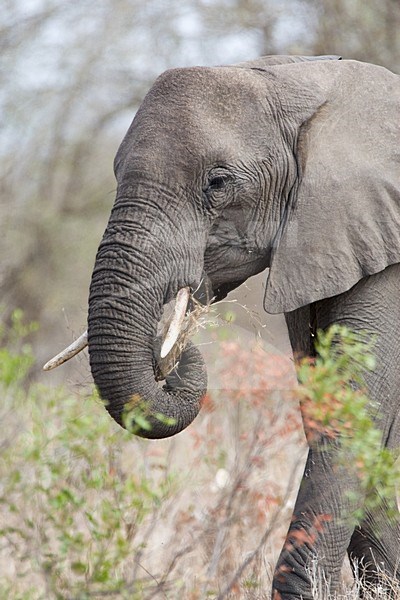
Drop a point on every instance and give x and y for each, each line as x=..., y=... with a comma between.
x=68, y=353
x=182, y=299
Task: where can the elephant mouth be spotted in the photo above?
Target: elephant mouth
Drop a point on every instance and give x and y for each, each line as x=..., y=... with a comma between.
x=174, y=331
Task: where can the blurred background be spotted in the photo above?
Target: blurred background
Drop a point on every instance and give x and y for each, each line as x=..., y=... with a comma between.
x=86, y=507
x=72, y=76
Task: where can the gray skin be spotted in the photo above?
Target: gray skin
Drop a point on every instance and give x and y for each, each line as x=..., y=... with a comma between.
x=287, y=163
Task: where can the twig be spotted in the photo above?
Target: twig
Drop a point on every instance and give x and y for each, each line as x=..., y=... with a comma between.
x=274, y=521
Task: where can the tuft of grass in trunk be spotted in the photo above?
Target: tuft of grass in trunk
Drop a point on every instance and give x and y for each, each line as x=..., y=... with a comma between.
x=198, y=318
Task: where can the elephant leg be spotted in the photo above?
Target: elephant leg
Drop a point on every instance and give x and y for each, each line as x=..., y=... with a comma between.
x=374, y=305
x=318, y=535
x=374, y=547
x=321, y=530
x=374, y=551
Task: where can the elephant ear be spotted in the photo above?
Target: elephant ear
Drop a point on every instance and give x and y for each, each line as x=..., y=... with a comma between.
x=342, y=219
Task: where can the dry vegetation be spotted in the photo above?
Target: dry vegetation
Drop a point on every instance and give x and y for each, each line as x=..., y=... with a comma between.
x=90, y=511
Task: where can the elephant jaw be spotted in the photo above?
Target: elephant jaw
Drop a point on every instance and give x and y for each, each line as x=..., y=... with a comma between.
x=171, y=337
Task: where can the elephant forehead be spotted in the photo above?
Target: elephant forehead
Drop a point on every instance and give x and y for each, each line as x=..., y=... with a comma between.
x=221, y=92
x=196, y=114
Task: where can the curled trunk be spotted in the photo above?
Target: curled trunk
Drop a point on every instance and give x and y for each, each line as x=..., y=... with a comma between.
x=134, y=276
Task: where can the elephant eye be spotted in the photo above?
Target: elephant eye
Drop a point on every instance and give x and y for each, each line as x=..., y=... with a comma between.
x=217, y=183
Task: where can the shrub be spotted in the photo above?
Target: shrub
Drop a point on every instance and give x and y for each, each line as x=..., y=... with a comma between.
x=335, y=406
x=90, y=511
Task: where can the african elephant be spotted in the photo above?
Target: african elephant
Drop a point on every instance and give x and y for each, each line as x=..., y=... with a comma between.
x=289, y=163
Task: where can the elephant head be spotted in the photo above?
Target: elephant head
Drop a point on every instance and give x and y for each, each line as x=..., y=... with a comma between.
x=283, y=162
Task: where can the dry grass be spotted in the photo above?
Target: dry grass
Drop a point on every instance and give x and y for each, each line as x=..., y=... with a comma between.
x=355, y=588
x=198, y=318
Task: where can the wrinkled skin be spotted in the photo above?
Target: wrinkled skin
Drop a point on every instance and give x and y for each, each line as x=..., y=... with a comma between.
x=284, y=163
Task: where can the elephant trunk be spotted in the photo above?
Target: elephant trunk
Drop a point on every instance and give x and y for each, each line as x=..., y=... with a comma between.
x=135, y=274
